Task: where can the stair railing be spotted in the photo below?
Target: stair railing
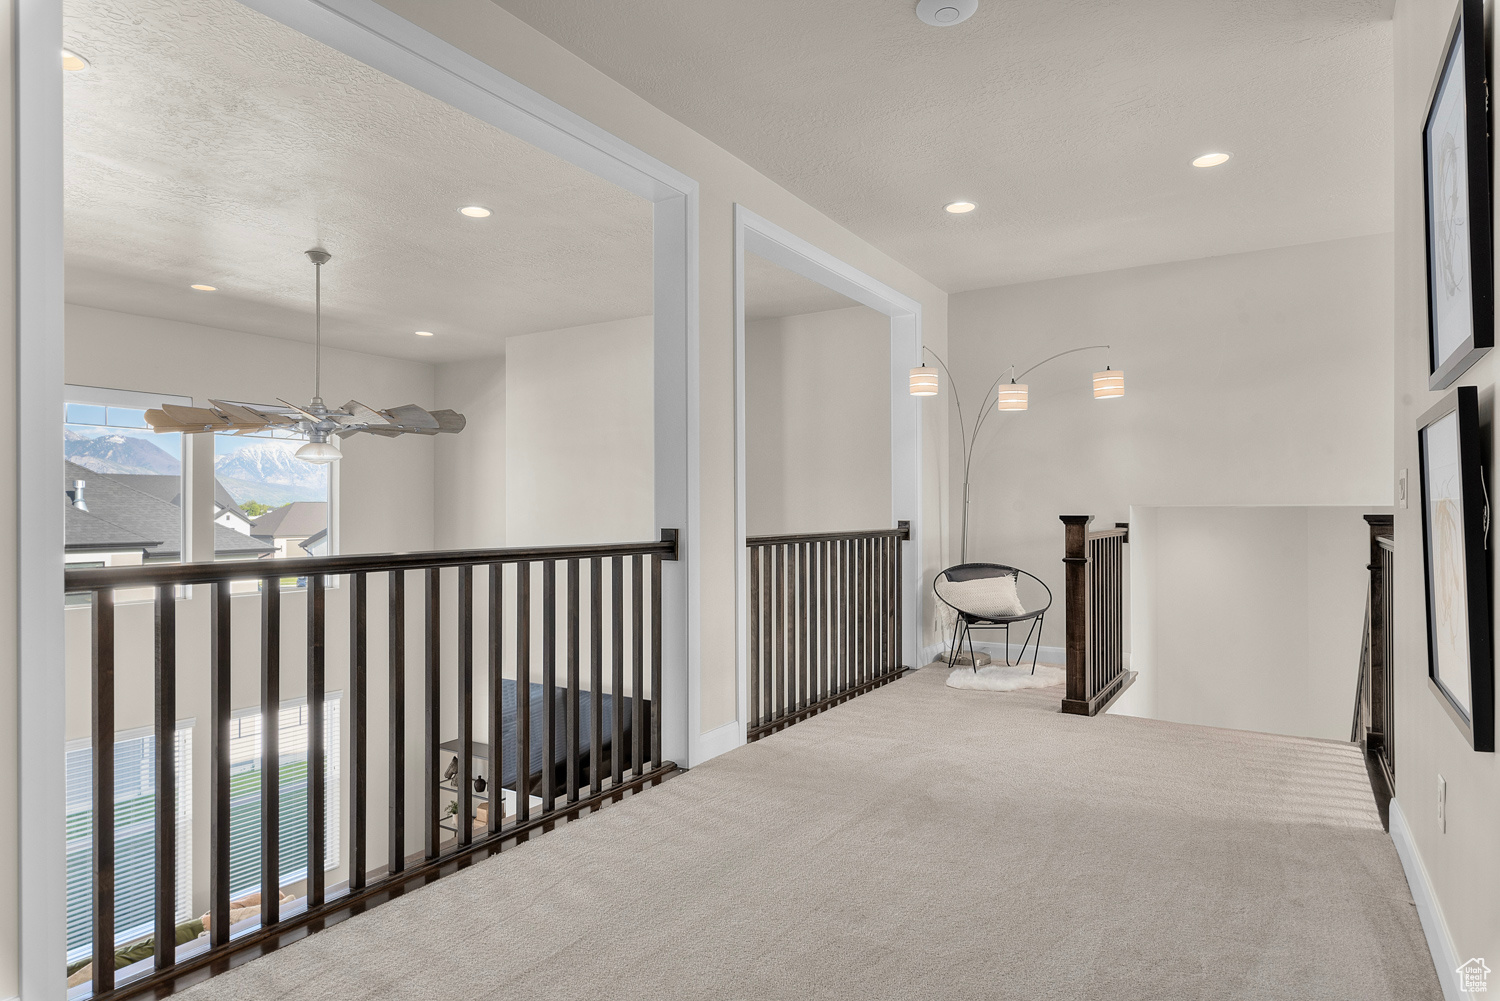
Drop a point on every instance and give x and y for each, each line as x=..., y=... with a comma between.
x=1094, y=615
x=825, y=621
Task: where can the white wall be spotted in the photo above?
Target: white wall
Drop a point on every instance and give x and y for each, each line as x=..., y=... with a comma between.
x=470, y=503
x=579, y=435
x=1251, y=379
x=1460, y=860
x=1249, y=618
x=817, y=422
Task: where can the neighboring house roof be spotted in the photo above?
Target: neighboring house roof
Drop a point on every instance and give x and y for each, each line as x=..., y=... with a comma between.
x=297, y=520
x=86, y=533
x=144, y=515
x=313, y=542
x=169, y=489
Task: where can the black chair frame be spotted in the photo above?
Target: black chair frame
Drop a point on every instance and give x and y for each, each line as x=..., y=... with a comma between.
x=967, y=622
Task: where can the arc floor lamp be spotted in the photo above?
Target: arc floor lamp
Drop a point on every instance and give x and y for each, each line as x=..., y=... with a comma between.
x=1013, y=395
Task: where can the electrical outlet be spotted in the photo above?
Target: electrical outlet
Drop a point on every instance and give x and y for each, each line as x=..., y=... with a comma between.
x=1442, y=805
x=1401, y=489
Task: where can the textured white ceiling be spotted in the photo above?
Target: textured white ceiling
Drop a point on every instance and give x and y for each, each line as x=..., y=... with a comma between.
x=210, y=144
x=1070, y=122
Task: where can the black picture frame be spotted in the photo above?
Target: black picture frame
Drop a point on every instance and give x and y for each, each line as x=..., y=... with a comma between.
x=1456, y=185
x=1455, y=565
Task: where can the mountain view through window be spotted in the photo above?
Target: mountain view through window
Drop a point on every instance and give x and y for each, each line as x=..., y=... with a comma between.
x=124, y=491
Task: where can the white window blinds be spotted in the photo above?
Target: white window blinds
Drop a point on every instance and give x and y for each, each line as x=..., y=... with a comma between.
x=135, y=837
x=244, y=784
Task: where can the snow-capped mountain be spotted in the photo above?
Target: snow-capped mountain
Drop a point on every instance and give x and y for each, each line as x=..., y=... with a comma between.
x=118, y=453
x=272, y=462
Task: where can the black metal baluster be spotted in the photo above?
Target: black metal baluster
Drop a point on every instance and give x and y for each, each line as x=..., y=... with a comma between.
x=396, y=722
x=317, y=753
x=570, y=693
x=617, y=670
x=755, y=666
x=166, y=773
x=218, y=835
x=596, y=675
x=884, y=606
x=656, y=695
x=270, y=751
x=801, y=639
x=819, y=625
x=463, y=821
x=494, y=636
x=359, y=697
x=103, y=731
x=549, y=686
x=432, y=693
x=523, y=692
x=779, y=631
x=901, y=607
x=637, y=667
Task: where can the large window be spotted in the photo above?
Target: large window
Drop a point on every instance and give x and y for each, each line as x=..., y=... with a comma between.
x=285, y=498
x=244, y=786
x=124, y=482
x=135, y=837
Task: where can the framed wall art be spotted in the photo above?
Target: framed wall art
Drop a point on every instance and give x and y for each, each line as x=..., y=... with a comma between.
x=1455, y=521
x=1456, y=171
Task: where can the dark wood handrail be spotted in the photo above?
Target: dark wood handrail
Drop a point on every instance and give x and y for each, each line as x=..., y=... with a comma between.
x=902, y=531
x=154, y=574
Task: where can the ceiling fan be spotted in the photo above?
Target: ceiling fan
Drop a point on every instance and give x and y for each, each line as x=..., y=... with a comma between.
x=317, y=421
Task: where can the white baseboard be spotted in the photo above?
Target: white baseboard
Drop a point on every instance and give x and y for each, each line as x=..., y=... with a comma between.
x=715, y=742
x=1445, y=956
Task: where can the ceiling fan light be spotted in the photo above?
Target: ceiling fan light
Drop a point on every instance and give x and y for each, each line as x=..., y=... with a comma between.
x=923, y=381
x=1011, y=397
x=1109, y=384
x=319, y=452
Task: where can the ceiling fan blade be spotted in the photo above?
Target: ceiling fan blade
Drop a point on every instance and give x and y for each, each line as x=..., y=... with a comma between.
x=196, y=419
x=305, y=413
x=412, y=418
x=162, y=422
x=385, y=431
x=239, y=414
x=365, y=415
x=450, y=421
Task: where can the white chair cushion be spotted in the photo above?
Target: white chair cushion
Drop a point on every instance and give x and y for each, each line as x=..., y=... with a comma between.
x=987, y=597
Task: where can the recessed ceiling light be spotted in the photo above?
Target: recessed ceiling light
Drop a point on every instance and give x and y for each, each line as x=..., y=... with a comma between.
x=945, y=13
x=73, y=62
x=1210, y=159
x=206, y=288
x=424, y=333
x=475, y=211
x=959, y=208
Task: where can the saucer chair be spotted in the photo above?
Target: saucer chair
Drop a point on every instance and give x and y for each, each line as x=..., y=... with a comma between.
x=993, y=596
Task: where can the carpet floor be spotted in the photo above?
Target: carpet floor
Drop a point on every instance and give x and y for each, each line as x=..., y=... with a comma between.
x=925, y=843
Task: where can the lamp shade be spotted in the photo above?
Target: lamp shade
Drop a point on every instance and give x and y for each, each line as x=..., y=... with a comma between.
x=319, y=452
x=1109, y=384
x=1011, y=397
x=923, y=381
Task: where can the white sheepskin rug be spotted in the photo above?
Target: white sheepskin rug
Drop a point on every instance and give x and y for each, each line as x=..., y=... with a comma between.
x=1000, y=678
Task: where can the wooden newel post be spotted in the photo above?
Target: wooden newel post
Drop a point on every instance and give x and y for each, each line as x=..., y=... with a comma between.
x=1075, y=606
